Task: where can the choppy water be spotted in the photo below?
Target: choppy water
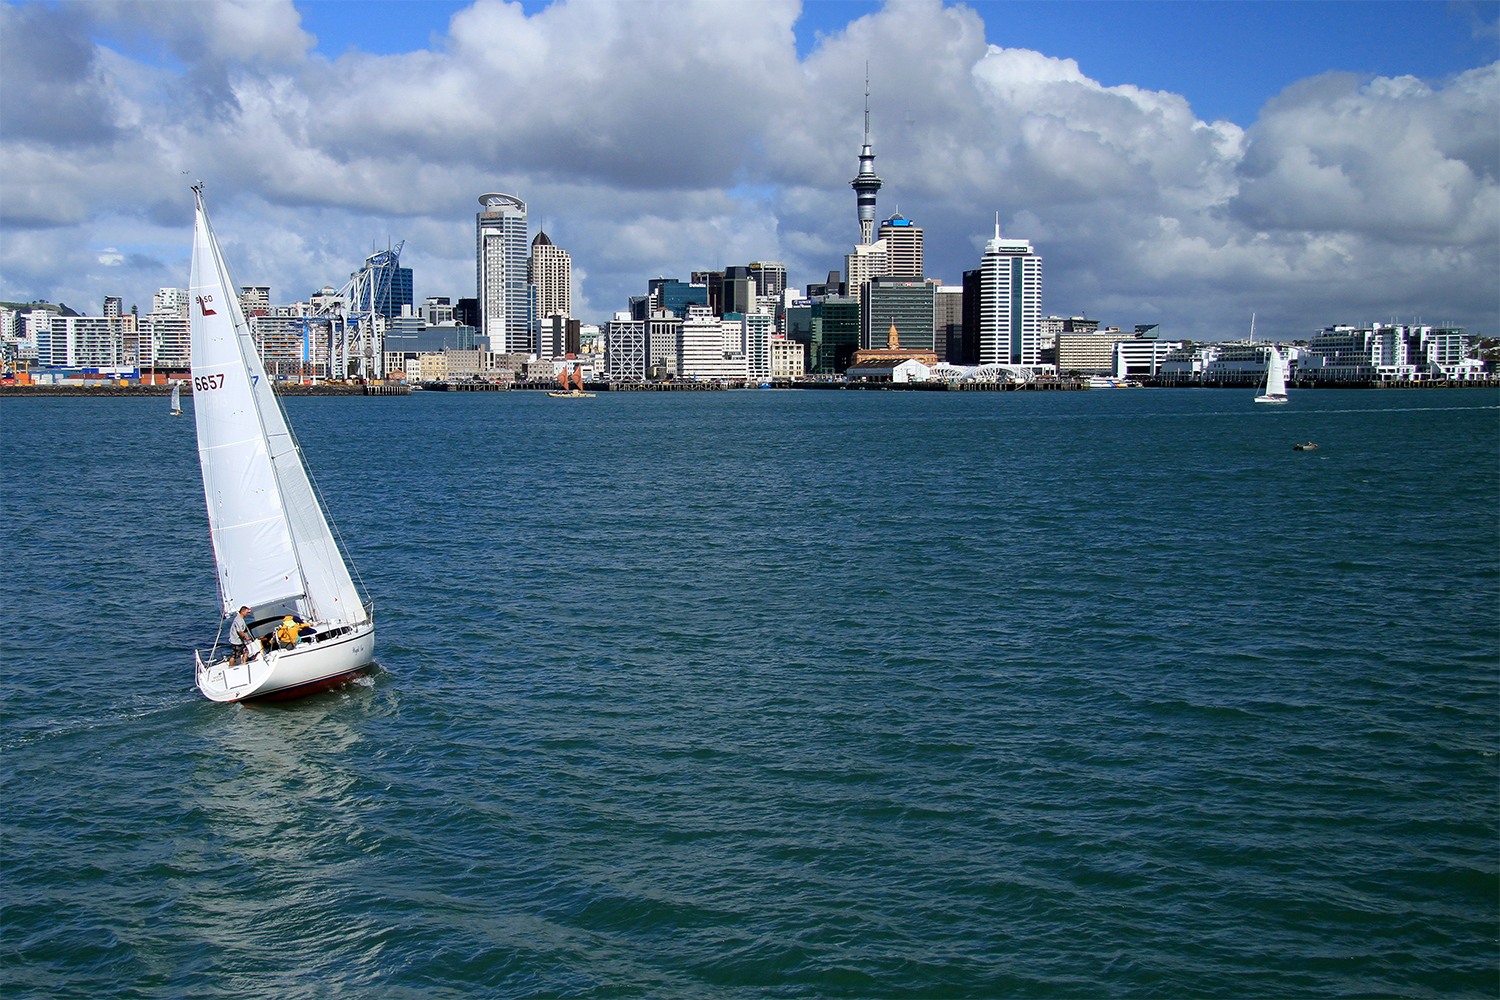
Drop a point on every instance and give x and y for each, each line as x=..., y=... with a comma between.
x=791, y=694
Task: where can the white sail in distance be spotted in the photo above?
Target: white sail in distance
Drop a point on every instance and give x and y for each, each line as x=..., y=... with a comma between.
x=271, y=542
x=1275, y=374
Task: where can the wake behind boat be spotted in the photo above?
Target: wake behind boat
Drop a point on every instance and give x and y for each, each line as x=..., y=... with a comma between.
x=273, y=550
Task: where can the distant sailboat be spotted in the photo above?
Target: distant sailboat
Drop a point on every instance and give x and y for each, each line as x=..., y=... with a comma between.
x=272, y=546
x=1275, y=386
x=576, y=393
x=176, y=408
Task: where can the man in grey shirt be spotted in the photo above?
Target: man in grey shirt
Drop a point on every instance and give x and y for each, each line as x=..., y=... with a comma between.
x=239, y=636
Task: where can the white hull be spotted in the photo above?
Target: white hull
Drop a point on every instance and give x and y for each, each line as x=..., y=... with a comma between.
x=1269, y=399
x=288, y=670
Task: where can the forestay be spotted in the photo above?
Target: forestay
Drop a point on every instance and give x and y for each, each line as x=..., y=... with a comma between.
x=271, y=541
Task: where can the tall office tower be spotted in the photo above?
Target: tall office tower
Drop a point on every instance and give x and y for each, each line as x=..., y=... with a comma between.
x=865, y=183
x=714, y=281
x=906, y=304
x=969, y=351
x=675, y=296
x=739, y=291
x=549, y=272
x=1010, y=303
x=903, y=247
x=770, y=277
x=948, y=322
x=500, y=265
x=867, y=261
x=113, y=306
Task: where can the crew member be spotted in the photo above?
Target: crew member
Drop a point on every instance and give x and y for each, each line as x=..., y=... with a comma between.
x=239, y=636
x=286, y=633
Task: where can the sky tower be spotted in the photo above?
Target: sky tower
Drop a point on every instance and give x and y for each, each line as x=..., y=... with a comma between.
x=865, y=183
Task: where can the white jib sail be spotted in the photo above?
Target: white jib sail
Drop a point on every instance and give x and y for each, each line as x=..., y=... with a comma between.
x=176, y=398
x=1275, y=374
x=271, y=541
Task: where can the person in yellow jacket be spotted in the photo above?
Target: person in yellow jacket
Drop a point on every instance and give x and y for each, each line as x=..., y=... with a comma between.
x=286, y=632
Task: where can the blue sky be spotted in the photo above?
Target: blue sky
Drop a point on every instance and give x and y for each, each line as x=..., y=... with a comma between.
x=1228, y=57
x=1174, y=163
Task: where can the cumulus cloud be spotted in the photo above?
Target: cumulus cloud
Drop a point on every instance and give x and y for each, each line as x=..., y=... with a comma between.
x=662, y=138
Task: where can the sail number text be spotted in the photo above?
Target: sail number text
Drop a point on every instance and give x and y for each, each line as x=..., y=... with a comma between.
x=202, y=383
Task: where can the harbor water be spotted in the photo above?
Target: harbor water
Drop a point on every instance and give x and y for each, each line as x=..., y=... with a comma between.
x=775, y=694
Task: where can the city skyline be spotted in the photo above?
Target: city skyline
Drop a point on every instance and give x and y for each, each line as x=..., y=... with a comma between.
x=1349, y=198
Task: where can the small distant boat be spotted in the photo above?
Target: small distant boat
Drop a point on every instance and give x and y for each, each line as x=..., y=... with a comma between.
x=1275, y=384
x=1104, y=382
x=1309, y=446
x=576, y=393
x=272, y=545
x=176, y=408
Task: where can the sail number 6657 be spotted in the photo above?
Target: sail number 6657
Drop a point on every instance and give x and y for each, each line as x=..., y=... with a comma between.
x=203, y=383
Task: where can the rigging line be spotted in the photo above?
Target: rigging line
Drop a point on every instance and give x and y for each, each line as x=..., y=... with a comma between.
x=322, y=500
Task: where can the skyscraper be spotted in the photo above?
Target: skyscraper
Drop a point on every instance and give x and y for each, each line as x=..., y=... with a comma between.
x=500, y=265
x=903, y=247
x=1010, y=303
x=865, y=183
x=549, y=272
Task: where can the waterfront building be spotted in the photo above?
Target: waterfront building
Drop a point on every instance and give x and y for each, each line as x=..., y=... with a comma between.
x=1142, y=357
x=788, y=358
x=835, y=333
x=89, y=342
x=1188, y=361
x=663, y=342
x=1010, y=303
x=948, y=322
x=906, y=303
x=1089, y=353
x=879, y=362
x=625, y=348
x=711, y=347
x=903, y=247
x=292, y=344
x=500, y=250
x=549, y=272
x=759, y=331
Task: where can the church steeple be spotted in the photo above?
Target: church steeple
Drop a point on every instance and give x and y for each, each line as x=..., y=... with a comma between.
x=865, y=183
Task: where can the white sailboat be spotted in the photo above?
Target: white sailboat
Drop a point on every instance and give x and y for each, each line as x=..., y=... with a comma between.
x=272, y=546
x=1275, y=387
x=176, y=408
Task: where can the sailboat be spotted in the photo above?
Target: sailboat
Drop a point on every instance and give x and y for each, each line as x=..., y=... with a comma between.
x=176, y=408
x=576, y=393
x=273, y=549
x=1275, y=387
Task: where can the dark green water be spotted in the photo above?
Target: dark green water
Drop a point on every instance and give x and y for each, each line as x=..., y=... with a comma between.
x=789, y=694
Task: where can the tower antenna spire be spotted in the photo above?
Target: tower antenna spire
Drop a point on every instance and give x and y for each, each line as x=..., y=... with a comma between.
x=866, y=183
x=867, y=102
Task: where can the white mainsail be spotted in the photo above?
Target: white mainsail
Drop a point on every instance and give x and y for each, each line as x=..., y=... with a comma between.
x=271, y=542
x=176, y=405
x=1275, y=374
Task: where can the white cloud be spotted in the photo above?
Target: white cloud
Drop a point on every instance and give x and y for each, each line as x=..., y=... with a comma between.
x=661, y=138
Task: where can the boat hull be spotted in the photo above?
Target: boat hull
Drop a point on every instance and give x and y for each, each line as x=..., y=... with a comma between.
x=1270, y=399
x=289, y=673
